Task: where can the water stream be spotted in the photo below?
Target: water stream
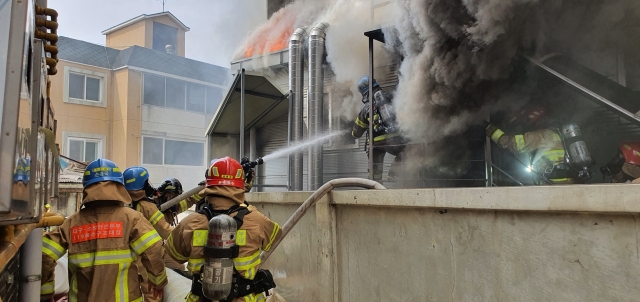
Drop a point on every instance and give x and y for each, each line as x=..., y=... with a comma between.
x=301, y=145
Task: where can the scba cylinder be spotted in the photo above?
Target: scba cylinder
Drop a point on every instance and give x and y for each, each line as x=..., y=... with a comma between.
x=385, y=109
x=217, y=272
x=577, y=148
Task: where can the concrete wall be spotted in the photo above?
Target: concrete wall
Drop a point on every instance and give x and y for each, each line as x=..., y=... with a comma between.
x=577, y=243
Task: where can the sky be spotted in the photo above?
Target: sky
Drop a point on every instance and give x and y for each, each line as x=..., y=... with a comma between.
x=217, y=26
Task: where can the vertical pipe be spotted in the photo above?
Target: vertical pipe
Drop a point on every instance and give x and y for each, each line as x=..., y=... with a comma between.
x=289, y=125
x=370, y=108
x=316, y=94
x=253, y=152
x=241, y=138
x=296, y=97
x=487, y=162
x=31, y=267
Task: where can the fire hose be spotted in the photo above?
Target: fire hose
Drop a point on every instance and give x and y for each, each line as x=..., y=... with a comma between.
x=165, y=206
x=311, y=201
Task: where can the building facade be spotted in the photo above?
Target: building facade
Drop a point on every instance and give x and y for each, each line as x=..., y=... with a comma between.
x=137, y=100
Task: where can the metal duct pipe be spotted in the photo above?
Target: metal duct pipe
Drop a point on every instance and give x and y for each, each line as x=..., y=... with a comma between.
x=31, y=267
x=315, y=95
x=296, y=88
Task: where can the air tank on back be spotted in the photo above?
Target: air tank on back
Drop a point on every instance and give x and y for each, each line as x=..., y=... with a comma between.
x=217, y=272
x=383, y=105
x=579, y=156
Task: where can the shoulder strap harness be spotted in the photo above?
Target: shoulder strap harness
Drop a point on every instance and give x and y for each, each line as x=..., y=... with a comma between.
x=241, y=287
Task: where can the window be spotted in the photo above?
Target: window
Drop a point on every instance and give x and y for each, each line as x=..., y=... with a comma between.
x=159, y=151
x=183, y=153
x=153, y=90
x=175, y=93
x=214, y=97
x=164, y=35
x=152, y=153
x=82, y=149
x=195, y=97
x=178, y=94
x=84, y=87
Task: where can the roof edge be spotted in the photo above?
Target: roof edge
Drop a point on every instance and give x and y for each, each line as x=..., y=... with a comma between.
x=143, y=17
x=225, y=101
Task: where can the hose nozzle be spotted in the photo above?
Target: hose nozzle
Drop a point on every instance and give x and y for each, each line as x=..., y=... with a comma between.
x=249, y=164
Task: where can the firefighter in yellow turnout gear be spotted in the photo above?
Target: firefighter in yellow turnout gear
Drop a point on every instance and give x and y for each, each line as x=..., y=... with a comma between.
x=136, y=181
x=104, y=240
x=224, y=192
x=386, y=138
x=545, y=147
x=169, y=189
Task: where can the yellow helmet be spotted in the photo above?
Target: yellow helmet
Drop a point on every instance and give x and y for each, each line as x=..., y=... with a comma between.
x=47, y=206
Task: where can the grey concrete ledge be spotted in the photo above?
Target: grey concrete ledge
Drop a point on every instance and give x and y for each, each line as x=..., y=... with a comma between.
x=296, y=198
x=607, y=198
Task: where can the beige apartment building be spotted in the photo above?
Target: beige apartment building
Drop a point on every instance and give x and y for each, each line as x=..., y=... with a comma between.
x=137, y=100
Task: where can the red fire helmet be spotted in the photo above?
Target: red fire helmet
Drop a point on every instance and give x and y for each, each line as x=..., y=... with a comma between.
x=225, y=172
x=528, y=116
x=631, y=152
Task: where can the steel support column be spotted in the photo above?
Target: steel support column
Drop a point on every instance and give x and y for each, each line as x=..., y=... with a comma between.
x=370, y=151
x=241, y=136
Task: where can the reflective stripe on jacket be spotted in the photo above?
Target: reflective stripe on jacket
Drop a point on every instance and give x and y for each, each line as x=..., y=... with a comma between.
x=151, y=212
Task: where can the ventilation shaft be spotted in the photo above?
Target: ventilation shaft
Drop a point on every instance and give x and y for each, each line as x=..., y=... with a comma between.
x=315, y=96
x=296, y=95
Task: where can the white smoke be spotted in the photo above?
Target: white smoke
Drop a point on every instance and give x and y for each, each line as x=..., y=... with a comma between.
x=348, y=50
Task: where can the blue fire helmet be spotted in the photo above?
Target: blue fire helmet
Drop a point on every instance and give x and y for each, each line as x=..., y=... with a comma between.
x=102, y=170
x=363, y=85
x=135, y=178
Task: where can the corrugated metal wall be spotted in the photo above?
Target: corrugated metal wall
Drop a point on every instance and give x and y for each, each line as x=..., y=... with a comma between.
x=273, y=137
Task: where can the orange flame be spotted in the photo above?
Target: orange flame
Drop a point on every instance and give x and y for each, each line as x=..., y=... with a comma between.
x=261, y=47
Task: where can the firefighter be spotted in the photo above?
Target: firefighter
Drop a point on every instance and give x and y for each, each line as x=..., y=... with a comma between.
x=169, y=189
x=624, y=167
x=542, y=142
x=136, y=181
x=104, y=239
x=225, y=189
x=386, y=138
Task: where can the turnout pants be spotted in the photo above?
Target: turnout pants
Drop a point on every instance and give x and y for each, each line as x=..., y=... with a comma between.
x=394, y=146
